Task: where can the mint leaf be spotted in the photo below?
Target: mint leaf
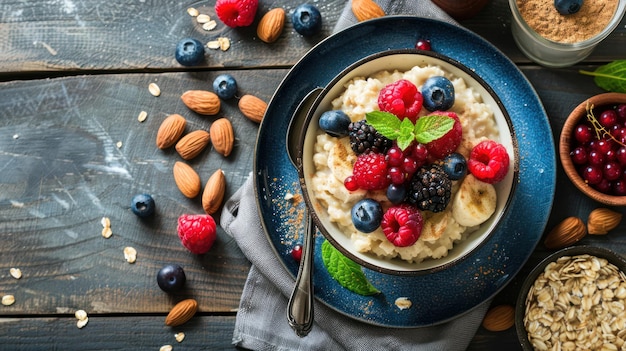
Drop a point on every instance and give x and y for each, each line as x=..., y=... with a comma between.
x=385, y=123
x=432, y=127
x=346, y=272
x=610, y=77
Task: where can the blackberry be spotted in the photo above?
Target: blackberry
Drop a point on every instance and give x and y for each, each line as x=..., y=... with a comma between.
x=364, y=138
x=430, y=189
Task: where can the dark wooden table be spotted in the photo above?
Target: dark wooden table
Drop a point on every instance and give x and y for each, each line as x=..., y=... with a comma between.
x=74, y=77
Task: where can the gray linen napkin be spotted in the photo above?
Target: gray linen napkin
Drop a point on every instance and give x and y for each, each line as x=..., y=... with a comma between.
x=261, y=322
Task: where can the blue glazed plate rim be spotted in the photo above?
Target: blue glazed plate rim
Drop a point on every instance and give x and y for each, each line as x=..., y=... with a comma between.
x=444, y=295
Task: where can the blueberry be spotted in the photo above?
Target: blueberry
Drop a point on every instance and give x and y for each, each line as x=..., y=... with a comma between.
x=438, y=93
x=455, y=166
x=568, y=7
x=335, y=123
x=189, y=52
x=171, y=278
x=367, y=215
x=396, y=193
x=225, y=86
x=142, y=205
x=306, y=19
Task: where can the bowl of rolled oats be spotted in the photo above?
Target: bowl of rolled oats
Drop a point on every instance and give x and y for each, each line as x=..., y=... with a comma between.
x=575, y=299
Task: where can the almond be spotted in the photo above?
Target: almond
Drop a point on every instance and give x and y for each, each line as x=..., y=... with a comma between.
x=602, y=220
x=566, y=233
x=187, y=180
x=214, y=190
x=181, y=312
x=499, y=318
x=170, y=131
x=366, y=9
x=192, y=144
x=202, y=102
x=252, y=107
x=271, y=25
x=222, y=136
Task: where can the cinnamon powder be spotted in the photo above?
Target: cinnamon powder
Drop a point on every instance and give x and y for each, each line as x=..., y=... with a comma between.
x=590, y=20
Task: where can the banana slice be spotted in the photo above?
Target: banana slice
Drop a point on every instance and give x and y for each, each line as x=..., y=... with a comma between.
x=341, y=158
x=474, y=203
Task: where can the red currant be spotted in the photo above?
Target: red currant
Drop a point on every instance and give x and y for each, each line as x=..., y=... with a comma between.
x=419, y=153
x=608, y=118
x=619, y=187
x=423, y=44
x=621, y=111
x=604, y=186
x=596, y=158
x=409, y=165
x=579, y=155
x=612, y=171
x=351, y=184
x=583, y=133
x=296, y=253
x=620, y=155
x=396, y=175
x=592, y=175
x=395, y=156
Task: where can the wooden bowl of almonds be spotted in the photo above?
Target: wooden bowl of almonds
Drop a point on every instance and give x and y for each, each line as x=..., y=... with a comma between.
x=575, y=299
x=592, y=148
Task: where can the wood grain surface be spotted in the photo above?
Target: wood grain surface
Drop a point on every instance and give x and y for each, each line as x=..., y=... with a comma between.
x=74, y=76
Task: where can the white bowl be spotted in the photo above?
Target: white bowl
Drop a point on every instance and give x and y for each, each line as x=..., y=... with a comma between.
x=403, y=60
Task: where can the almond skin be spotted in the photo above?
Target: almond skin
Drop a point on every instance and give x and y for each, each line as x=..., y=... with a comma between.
x=187, y=180
x=566, y=233
x=271, y=25
x=252, y=107
x=499, y=318
x=170, y=131
x=602, y=220
x=181, y=312
x=192, y=144
x=202, y=101
x=366, y=9
x=214, y=191
x=222, y=136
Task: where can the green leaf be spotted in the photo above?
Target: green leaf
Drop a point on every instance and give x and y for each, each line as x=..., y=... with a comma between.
x=432, y=127
x=610, y=77
x=385, y=123
x=346, y=272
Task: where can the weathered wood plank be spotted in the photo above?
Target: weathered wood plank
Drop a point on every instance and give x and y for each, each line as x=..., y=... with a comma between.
x=61, y=172
x=59, y=35
x=115, y=333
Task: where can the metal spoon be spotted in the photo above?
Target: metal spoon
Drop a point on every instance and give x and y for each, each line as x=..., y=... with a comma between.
x=300, y=306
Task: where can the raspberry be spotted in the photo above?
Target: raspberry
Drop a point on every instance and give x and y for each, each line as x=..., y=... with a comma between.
x=488, y=161
x=370, y=171
x=447, y=144
x=236, y=13
x=197, y=232
x=402, y=99
x=402, y=225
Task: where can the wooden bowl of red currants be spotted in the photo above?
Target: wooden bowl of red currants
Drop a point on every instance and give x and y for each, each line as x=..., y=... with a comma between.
x=592, y=148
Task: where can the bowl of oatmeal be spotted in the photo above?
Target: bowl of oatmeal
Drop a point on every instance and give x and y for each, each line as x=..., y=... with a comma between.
x=461, y=210
x=562, y=38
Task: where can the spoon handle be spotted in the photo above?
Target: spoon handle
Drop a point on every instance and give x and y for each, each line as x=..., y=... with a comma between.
x=300, y=307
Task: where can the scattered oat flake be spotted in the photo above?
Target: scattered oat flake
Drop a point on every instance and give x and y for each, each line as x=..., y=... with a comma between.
x=166, y=348
x=80, y=314
x=119, y=144
x=154, y=89
x=81, y=323
x=403, y=303
x=179, y=336
x=213, y=44
x=130, y=254
x=142, y=116
x=107, y=232
x=8, y=300
x=224, y=43
x=210, y=25
x=15, y=273
x=203, y=18
x=16, y=136
x=106, y=222
x=288, y=196
x=193, y=12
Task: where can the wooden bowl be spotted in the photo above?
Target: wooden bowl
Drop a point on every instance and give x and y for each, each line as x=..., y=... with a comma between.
x=565, y=142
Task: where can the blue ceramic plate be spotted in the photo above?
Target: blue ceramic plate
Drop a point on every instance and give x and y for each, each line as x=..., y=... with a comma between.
x=440, y=296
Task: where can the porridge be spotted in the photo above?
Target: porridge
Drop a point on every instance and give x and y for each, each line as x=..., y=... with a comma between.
x=453, y=222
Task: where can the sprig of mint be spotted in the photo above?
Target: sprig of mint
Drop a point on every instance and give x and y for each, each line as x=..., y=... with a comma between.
x=345, y=271
x=404, y=132
x=610, y=77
